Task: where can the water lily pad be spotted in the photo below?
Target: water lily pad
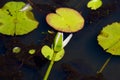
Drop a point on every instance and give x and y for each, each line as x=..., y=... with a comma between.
x=94, y=4
x=32, y=51
x=47, y=52
x=16, y=50
x=65, y=20
x=15, y=22
x=109, y=38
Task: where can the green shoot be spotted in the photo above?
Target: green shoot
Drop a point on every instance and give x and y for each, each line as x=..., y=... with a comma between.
x=104, y=65
x=56, y=52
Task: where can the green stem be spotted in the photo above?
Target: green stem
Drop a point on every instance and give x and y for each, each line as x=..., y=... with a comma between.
x=104, y=65
x=50, y=67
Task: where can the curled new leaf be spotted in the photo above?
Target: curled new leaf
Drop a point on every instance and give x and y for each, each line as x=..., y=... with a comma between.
x=15, y=22
x=58, y=42
x=109, y=38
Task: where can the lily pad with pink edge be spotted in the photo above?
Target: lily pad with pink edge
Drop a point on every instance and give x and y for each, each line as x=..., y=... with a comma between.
x=66, y=20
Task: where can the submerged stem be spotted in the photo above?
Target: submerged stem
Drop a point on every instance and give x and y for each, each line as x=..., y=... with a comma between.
x=50, y=67
x=104, y=65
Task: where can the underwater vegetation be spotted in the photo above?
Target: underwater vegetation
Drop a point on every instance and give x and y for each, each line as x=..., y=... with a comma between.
x=61, y=22
x=17, y=19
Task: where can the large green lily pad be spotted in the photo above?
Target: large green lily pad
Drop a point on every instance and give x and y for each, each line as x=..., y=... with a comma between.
x=65, y=20
x=15, y=22
x=109, y=38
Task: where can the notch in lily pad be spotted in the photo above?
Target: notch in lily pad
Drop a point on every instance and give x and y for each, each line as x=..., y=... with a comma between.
x=94, y=4
x=65, y=20
x=16, y=22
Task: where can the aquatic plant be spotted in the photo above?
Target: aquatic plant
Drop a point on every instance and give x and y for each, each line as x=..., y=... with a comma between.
x=16, y=50
x=56, y=52
x=14, y=21
x=65, y=20
x=32, y=51
x=109, y=40
x=94, y=4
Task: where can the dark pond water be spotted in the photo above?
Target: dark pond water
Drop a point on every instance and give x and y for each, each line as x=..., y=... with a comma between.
x=83, y=56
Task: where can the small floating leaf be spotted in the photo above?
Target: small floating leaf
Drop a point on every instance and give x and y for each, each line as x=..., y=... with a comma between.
x=94, y=4
x=16, y=50
x=109, y=38
x=32, y=51
x=65, y=20
x=47, y=52
x=15, y=22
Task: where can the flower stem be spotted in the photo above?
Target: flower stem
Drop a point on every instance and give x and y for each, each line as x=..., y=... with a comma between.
x=50, y=67
x=104, y=65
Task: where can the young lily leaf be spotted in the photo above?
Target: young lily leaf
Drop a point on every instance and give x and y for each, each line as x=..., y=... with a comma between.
x=47, y=52
x=58, y=42
x=32, y=51
x=65, y=20
x=94, y=4
x=15, y=22
x=16, y=50
x=109, y=38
